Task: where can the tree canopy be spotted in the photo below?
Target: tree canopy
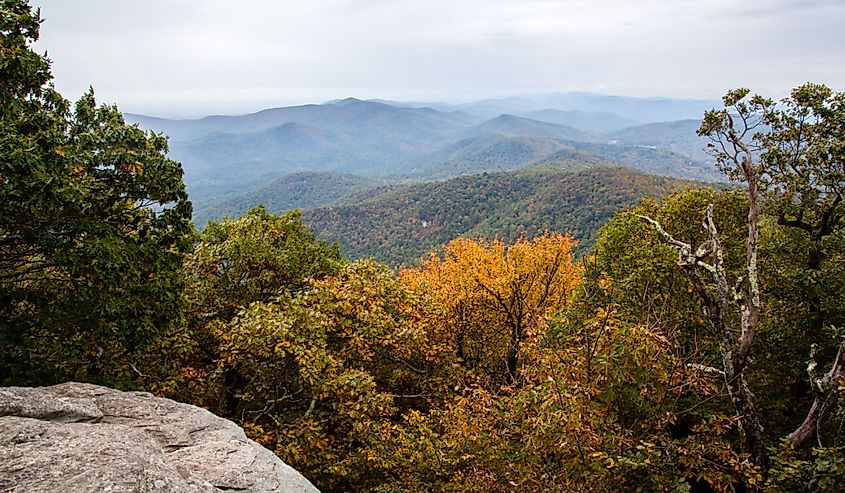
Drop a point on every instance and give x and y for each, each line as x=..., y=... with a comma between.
x=789, y=157
x=697, y=347
x=94, y=219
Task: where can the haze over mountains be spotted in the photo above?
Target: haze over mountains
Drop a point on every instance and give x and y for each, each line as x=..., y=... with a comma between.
x=348, y=151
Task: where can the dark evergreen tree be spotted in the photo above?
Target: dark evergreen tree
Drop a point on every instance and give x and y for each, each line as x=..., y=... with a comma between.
x=93, y=222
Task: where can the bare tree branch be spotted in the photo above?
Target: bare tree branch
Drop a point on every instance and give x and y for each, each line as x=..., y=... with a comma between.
x=825, y=389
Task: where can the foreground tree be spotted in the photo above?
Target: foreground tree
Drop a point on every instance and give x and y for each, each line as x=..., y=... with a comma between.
x=324, y=369
x=258, y=257
x=803, y=182
x=93, y=222
x=597, y=409
x=255, y=257
x=791, y=156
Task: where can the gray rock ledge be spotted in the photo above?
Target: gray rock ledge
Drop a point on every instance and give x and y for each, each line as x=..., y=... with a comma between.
x=78, y=437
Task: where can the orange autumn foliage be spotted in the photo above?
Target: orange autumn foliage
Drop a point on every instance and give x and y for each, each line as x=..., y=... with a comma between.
x=486, y=298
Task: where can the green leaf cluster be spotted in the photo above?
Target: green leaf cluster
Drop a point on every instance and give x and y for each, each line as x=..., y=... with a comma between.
x=94, y=219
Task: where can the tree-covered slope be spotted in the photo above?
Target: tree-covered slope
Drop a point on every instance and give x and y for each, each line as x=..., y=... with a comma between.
x=678, y=136
x=485, y=153
x=648, y=160
x=304, y=190
x=402, y=224
x=495, y=152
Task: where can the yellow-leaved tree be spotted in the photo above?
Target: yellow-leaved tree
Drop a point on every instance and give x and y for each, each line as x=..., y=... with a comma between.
x=485, y=299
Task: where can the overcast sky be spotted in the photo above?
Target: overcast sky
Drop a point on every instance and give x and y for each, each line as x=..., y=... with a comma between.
x=195, y=57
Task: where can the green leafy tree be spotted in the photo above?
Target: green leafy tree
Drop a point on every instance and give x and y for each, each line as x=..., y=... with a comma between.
x=789, y=157
x=253, y=258
x=792, y=159
x=802, y=157
x=93, y=221
x=258, y=257
x=803, y=163
x=325, y=370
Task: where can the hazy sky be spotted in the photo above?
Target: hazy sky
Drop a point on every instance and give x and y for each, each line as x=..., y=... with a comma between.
x=192, y=57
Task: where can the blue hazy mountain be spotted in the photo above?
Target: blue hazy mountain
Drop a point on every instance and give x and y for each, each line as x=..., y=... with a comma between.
x=227, y=156
x=678, y=136
x=523, y=127
x=642, y=110
x=598, y=122
x=224, y=155
x=348, y=114
x=481, y=153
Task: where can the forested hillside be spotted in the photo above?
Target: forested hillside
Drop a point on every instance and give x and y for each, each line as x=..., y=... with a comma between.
x=398, y=223
x=679, y=137
x=402, y=224
x=491, y=153
x=295, y=191
x=697, y=345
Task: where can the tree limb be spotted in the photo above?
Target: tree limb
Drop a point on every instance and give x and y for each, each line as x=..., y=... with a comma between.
x=825, y=389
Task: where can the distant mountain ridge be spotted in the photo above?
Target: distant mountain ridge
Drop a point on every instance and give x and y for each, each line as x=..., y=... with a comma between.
x=508, y=124
x=638, y=109
x=485, y=152
x=225, y=157
x=678, y=136
x=339, y=114
x=590, y=121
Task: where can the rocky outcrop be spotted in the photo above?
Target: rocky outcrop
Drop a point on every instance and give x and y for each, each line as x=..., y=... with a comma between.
x=84, y=438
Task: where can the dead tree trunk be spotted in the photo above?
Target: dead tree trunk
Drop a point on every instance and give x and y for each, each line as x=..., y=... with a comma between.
x=825, y=390
x=735, y=354
x=745, y=294
x=803, y=164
